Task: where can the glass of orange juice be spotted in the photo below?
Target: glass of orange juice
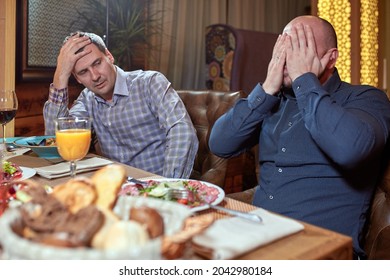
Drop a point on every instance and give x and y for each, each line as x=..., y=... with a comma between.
x=73, y=138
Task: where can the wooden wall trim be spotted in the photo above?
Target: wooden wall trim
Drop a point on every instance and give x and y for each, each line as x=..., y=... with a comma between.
x=7, y=49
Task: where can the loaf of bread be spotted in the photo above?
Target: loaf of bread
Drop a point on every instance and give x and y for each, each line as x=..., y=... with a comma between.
x=76, y=194
x=108, y=181
x=125, y=234
x=150, y=218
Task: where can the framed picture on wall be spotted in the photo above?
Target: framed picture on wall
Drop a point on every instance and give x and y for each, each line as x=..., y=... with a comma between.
x=42, y=26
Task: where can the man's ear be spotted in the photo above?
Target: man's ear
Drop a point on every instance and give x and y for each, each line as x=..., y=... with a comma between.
x=334, y=55
x=110, y=56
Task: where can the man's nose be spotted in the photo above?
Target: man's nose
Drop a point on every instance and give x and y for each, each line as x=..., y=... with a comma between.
x=95, y=75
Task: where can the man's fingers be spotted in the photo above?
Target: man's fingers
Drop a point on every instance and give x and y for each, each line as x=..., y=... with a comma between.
x=294, y=39
x=73, y=45
x=311, y=44
x=302, y=43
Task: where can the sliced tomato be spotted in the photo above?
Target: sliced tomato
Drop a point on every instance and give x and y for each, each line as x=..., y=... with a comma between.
x=17, y=175
x=182, y=201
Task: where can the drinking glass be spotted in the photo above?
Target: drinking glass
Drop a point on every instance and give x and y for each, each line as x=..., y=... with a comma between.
x=73, y=138
x=8, y=108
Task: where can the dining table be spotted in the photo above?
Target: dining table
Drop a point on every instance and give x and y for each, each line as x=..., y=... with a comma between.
x=310, y=243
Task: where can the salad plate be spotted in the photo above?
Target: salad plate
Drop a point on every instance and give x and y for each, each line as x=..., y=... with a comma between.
x=37, y=145
x=27, y=173
x=205, y=192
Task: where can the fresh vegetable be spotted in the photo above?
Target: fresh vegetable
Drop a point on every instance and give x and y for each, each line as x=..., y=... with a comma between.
x=199, y=192
x=11, y=171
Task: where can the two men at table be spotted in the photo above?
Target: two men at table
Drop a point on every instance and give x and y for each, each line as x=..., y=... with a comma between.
x=322, y=141
x=138, y=118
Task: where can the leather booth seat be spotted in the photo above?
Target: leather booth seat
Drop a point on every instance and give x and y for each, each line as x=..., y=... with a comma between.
x=377, y=237
x=205, y=107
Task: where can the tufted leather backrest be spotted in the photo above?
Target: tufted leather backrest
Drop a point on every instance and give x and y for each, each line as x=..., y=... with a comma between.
x=377, y=239
x=204, y=108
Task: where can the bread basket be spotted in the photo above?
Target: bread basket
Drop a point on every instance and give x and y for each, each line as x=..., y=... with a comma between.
x=16, y=247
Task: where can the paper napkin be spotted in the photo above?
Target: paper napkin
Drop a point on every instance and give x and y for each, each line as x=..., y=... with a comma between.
x=62, y=169
x=231, y=237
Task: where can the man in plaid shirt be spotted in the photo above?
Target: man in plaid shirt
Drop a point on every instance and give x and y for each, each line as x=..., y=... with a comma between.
x=138, y=118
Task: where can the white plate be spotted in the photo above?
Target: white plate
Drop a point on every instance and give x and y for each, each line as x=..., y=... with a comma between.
x=219, y=199
x=27, y=173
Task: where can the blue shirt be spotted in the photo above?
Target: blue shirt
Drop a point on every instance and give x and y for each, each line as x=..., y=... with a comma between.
x=320, y=149
x=146, y=125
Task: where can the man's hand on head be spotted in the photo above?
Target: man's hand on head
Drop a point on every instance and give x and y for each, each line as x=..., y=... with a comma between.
x=274, y=79
x=301, y=51
x=72, y=50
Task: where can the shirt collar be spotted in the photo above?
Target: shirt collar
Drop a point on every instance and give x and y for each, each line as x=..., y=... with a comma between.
x=120, y=87
x=333, y=83
x=120, y=83
x=329, y=86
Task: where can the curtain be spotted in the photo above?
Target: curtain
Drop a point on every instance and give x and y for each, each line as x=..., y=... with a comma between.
x=180, y=51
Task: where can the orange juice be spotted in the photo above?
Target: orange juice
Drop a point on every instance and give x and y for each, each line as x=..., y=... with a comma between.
x=73, y=144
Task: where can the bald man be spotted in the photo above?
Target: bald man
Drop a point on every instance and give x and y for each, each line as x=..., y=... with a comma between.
x=322, y=141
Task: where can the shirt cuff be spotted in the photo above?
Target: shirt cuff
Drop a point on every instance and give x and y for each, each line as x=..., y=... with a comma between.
x=259, y=97
x=58, y=96
x=307, y=83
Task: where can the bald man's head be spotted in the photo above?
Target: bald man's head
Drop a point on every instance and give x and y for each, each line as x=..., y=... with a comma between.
x=324, y=33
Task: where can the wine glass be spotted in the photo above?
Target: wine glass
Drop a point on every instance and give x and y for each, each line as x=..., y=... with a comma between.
x=73, y=138
x=8, y=108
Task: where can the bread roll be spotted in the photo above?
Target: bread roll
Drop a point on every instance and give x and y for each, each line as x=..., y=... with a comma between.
x=108, y=181
x=124, y=235
x=77, y=193
x=149, y=217
x=109, y=220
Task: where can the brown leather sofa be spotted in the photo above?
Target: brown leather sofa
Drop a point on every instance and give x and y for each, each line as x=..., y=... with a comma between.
x=233, y=174
x=377, y=237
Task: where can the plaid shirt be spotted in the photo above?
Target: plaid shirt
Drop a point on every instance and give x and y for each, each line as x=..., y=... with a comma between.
x=146, y=125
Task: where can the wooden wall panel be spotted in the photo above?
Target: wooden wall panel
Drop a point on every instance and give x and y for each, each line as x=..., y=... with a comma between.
x=7, y=50
x=32, y=97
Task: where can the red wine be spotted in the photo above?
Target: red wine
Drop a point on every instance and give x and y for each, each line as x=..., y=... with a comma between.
x=7, y=115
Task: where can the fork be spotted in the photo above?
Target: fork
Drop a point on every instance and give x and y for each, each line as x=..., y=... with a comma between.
x=136, y=181
x=183, y=194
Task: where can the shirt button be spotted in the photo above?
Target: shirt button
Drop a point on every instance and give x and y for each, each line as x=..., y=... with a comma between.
x=298, y=87
x=280, y=170
x=283, y=150
x=109, y=124
x=271, y=197
x=289, y=123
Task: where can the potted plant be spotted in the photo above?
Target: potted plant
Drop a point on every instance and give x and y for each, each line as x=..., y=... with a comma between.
x=125, y=25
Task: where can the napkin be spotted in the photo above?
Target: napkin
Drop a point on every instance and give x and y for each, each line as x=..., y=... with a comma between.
x=62, y=169
x=231, y=237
